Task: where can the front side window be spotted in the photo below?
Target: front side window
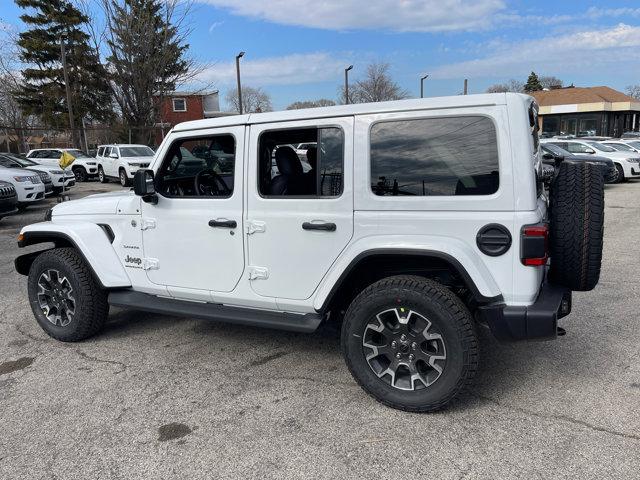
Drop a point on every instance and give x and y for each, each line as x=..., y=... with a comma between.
x=198, y=167
x=316, y=169
x=434, y=157
x=179, y=105
x=100, y=151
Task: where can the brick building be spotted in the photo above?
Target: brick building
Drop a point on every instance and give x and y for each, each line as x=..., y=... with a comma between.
x=177, y=107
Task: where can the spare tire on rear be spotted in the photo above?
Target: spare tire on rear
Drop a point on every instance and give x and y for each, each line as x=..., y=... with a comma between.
x=577, y=225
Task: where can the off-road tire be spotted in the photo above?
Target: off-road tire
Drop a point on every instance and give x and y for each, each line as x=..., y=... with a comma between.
x=446, y=312
x=91, y=307
x=577, y=226
x=102, y=178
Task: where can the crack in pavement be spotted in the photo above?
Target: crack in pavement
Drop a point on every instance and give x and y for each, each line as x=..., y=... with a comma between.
x=564, y=418
x=91, y=358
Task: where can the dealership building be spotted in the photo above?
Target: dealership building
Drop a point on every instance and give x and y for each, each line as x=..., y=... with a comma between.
x=585, y=111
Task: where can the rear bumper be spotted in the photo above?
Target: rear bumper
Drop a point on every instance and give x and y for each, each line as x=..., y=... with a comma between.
x=538, y=321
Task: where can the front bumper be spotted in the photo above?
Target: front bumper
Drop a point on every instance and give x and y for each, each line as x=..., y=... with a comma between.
x=538, y=321
x=8, y=206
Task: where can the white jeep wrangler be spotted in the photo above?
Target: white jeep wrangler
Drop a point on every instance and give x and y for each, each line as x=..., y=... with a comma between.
x=418, y=221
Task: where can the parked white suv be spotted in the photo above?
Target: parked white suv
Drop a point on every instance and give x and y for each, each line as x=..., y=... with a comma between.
x=83, y=168
x=627, y=163
x=28, y=185
x=60, y=180
x=420, y=221
x=121, y=162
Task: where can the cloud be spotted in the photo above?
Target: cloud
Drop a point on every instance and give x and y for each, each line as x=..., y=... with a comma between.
x=595, y=12
x=580, y=51
x=215, y=25
x=394, y=15
x=297, y=68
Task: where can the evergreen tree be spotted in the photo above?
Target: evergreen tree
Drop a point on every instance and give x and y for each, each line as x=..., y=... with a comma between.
x=533, y=83
x=146, y=59
x=42, y=91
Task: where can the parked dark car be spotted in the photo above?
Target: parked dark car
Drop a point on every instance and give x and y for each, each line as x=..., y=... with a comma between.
x=553, y=155
x=8, y=199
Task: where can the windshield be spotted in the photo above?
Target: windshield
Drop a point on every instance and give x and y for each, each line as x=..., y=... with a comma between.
x=9, y=163
x=136, y=152
x=600, y=147
x=620, y=147
x=78, y=154
x=556, y=150
x=23, y=162
x=634, y=144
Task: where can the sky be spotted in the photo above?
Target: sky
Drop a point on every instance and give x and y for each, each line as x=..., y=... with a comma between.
x=298, y=49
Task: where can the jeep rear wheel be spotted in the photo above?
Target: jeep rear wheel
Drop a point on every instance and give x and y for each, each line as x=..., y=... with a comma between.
x=410, y=343
x=65, y=297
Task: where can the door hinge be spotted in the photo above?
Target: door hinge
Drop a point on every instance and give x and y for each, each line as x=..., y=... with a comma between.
x=254, y=226
x=147, y=223
x=258, y=273
x=150, y=264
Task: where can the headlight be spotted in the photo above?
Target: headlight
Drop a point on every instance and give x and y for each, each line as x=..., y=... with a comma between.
x=633, y=160
x=22, y=179
x=133, y=164
x=56, y=172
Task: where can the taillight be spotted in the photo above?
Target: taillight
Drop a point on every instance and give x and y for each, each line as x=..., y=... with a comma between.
x=534, y=245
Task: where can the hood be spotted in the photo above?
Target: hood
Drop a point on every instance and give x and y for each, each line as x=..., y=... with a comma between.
x=43, y=168
x=145, y=159
x=98, y=204
x=9, y=173
x=591, y=158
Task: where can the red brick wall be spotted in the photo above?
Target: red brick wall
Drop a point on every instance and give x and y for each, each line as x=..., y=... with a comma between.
x=195, y=110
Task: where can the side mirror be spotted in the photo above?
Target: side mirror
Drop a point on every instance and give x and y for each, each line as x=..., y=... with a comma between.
x=144, y=186
x=113, y=155
x=590, y=151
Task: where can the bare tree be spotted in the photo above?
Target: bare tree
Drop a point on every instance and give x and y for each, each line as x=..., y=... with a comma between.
x=253, y=100
x=512, y=85
x=549, y=82
x=13, y=120
x=633, y=91
x=322, y=102
x=377, y=86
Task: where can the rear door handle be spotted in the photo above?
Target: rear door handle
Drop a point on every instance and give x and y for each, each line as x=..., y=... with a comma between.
x=326, y=227
x=223, y=223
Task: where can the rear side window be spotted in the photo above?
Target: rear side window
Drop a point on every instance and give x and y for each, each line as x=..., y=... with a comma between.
x=434, y=157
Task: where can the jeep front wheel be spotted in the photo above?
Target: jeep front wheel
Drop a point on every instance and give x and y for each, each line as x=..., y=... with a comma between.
x=101, y=176
x=65, y=297
x=410, y=343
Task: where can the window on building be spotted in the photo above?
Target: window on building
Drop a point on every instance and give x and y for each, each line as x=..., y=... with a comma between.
x=434, y=157
x=314, y=169
x=179, y=104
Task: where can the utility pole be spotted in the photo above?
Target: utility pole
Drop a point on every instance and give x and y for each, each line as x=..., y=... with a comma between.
x=422, y=79
x=346, y=84
x=466, y=85
x=238, y=57
x=67, y=87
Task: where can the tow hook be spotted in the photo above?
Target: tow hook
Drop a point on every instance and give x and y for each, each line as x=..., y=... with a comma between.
x=561, y=332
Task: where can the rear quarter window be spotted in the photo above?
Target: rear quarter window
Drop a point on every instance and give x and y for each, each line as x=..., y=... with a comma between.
x=445, y=156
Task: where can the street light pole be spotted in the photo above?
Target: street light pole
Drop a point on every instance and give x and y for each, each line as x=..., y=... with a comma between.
x=346, y=84
x=422, y=79
x=238, y=57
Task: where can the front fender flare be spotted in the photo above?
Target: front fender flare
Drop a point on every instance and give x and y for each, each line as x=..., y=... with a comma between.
x=88, y=238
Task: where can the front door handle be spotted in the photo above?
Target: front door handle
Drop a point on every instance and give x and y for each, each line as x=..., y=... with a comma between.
x=326, y=227
x=223, y=223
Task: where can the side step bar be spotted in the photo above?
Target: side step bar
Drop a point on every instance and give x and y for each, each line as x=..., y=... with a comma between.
x=305, y=323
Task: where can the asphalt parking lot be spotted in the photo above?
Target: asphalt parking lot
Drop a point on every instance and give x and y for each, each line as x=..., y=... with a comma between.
x=165, y=397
